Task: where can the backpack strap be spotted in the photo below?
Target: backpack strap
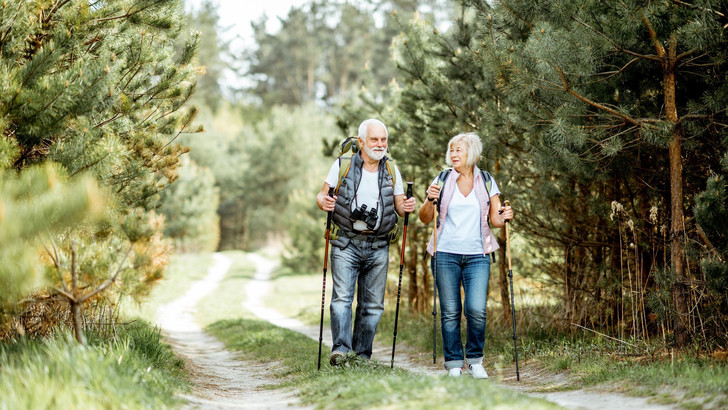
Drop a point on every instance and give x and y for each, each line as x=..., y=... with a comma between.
x=392, y=174
x=344, y=165
x=488, y=182
x=441, y=178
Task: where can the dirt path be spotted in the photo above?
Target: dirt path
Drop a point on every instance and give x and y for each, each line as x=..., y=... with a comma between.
x=223, y=381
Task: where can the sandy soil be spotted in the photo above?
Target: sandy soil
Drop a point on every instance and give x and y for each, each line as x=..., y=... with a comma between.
x=223, y=381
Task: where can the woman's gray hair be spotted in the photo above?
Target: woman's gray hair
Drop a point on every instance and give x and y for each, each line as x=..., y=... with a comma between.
x=365, y=125
x=472, y=144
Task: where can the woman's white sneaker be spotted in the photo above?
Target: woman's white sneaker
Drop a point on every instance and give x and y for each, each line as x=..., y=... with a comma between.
x=455, y=372
x=477, y=371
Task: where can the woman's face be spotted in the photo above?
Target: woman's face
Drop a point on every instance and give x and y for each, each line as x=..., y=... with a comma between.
x=458, y=156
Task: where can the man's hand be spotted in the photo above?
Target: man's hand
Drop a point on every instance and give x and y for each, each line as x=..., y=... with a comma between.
x=328, y=203
x=409, y=205
x=324, y=201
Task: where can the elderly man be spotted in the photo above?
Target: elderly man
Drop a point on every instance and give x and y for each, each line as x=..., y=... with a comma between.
x=366, y=210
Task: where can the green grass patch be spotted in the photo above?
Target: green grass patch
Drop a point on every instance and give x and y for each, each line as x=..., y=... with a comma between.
x=586, y=360
x=302, y=292
x=183, y=270
x=135, y=370
x=225, y=302
x=294, y=358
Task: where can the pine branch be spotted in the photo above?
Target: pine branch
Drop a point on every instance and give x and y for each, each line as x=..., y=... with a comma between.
x=659, y=48
x=711, y=247
x=109, y=281
x=66, y=294
x=108, y=120
x=617, y=46
x=56, y=262
x=682, y=3
x=10, y=26
x=528, y=23
x=594, y=104
x=128, y=13
x=87, y=166
x=73, y=268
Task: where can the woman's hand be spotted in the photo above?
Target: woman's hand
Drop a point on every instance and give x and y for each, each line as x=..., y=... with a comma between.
x=427, y=210
x=433, y=192
x=506, y=212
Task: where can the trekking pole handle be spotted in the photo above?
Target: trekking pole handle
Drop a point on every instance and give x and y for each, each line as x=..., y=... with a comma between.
x=505, y=203
x=408, y=196
x=329, y=214
x=331, y=194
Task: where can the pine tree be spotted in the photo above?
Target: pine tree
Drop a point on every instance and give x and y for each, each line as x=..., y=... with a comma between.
x=98, y=89
x=35, y=205
x=614, y=86
x=585, y=104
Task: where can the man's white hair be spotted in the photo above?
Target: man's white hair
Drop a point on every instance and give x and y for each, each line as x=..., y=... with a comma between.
x=364, y=126
x=472, y=144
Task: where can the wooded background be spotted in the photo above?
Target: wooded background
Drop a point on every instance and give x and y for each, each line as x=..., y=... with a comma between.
x=604, y=123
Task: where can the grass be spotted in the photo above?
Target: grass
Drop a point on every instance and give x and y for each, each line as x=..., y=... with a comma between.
x=363, y=386
x=183, y=270
x=293, y=354
x=226, y=301
x=133, y=371
x=686, y=379
x=586, y=360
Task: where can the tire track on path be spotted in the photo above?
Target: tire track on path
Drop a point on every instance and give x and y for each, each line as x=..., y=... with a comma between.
x=221, y=380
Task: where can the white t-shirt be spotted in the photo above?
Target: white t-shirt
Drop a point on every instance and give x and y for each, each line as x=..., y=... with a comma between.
x=460, y=234
x=368, y=192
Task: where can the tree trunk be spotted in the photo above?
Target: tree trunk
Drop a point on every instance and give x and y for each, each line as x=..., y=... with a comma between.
x=676, y=193
x=568, y=308
x=76, y=315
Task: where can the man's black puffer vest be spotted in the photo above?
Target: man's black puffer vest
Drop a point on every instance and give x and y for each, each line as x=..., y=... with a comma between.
x=347, y=190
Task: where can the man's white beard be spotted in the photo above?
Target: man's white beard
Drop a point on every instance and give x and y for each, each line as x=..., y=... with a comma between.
x=375, y=155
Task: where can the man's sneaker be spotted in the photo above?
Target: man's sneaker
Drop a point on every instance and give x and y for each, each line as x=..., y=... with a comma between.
x=337, y=358
x=455, y=372
x=477, y=371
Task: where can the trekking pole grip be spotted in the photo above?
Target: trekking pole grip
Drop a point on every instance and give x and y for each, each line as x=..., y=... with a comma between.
x=408, y=196
x=329, y=214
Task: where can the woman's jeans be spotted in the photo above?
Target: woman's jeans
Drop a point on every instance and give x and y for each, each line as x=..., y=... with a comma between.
x=364, y=264
x=473, y=272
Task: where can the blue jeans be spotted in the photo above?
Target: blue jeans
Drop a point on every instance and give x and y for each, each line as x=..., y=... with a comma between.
x=360, y=263
x=473, y=272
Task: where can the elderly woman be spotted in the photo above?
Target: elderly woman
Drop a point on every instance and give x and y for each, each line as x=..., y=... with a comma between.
x=464, y=242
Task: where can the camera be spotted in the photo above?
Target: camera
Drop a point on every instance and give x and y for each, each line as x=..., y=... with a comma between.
x=368, y=217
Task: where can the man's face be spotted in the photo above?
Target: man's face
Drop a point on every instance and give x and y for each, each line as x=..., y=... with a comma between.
x=375, y=145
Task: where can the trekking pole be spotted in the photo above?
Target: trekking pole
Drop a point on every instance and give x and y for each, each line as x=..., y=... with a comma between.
x=513, y=302
x=401, y=265
x=323, y=288
x=434, y=289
